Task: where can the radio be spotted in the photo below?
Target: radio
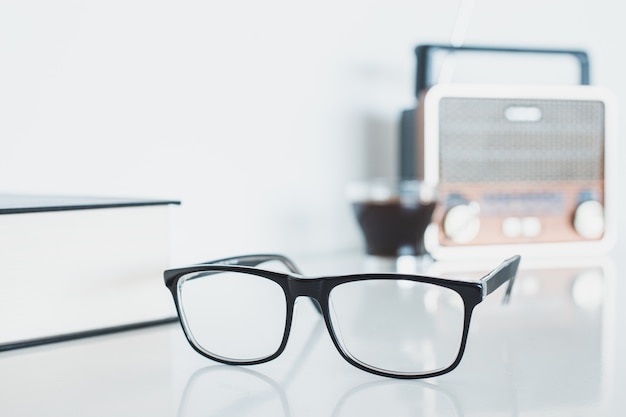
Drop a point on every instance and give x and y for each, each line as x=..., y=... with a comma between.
x=519, y=168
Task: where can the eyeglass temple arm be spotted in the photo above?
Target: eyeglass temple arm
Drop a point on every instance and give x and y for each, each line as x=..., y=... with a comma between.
x=254, y=260
x=506, y=271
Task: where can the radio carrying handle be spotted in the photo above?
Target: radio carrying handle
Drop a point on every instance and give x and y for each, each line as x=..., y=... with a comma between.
x=424, y=52
x=407, y=148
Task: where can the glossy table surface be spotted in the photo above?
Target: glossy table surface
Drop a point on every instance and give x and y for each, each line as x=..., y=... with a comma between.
x=557, y=349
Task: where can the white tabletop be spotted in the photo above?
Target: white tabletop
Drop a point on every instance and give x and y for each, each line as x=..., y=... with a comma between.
x=555, y=350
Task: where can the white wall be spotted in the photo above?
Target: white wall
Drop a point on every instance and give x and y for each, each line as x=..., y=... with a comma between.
x=253, y=113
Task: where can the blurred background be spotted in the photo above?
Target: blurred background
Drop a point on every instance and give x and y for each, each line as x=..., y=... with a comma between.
x=254, y=114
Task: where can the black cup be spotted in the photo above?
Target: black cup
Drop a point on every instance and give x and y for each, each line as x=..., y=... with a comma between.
x=393, y=214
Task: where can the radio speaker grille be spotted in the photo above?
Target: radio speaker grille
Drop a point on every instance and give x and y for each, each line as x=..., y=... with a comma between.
x=546, y=140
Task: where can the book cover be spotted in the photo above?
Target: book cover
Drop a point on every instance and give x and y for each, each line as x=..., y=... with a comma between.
x=73, y=265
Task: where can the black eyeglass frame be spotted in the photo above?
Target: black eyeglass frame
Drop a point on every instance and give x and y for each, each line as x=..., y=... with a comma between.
x=296, y=285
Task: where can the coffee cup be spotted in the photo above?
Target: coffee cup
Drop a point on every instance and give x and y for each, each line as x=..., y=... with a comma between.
x=393, y=214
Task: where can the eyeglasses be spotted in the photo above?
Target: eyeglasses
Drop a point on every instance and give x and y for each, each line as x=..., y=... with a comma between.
x=395, y=325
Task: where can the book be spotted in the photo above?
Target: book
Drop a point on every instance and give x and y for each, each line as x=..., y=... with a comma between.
x=73, y=266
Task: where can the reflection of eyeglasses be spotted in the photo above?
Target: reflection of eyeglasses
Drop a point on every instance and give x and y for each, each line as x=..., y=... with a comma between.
x=396, y=325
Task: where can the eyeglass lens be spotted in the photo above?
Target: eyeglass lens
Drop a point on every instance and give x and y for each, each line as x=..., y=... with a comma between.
x=234, y=316
x=398, y=326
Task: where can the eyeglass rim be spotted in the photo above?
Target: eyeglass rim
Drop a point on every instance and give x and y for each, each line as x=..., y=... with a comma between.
x=471, y=292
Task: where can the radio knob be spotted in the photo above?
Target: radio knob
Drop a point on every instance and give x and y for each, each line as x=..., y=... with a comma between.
x=589, y=219
x=461, y=223
x=531, y=226
x=512, y=227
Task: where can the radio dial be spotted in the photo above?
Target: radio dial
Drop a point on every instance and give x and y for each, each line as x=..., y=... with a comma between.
x=589, y=219
x=461, y=223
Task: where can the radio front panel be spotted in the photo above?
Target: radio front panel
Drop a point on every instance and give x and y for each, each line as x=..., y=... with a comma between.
x=517, y=165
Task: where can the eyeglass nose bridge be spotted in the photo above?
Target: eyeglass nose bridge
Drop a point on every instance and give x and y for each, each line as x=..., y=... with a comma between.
x=306, y=287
